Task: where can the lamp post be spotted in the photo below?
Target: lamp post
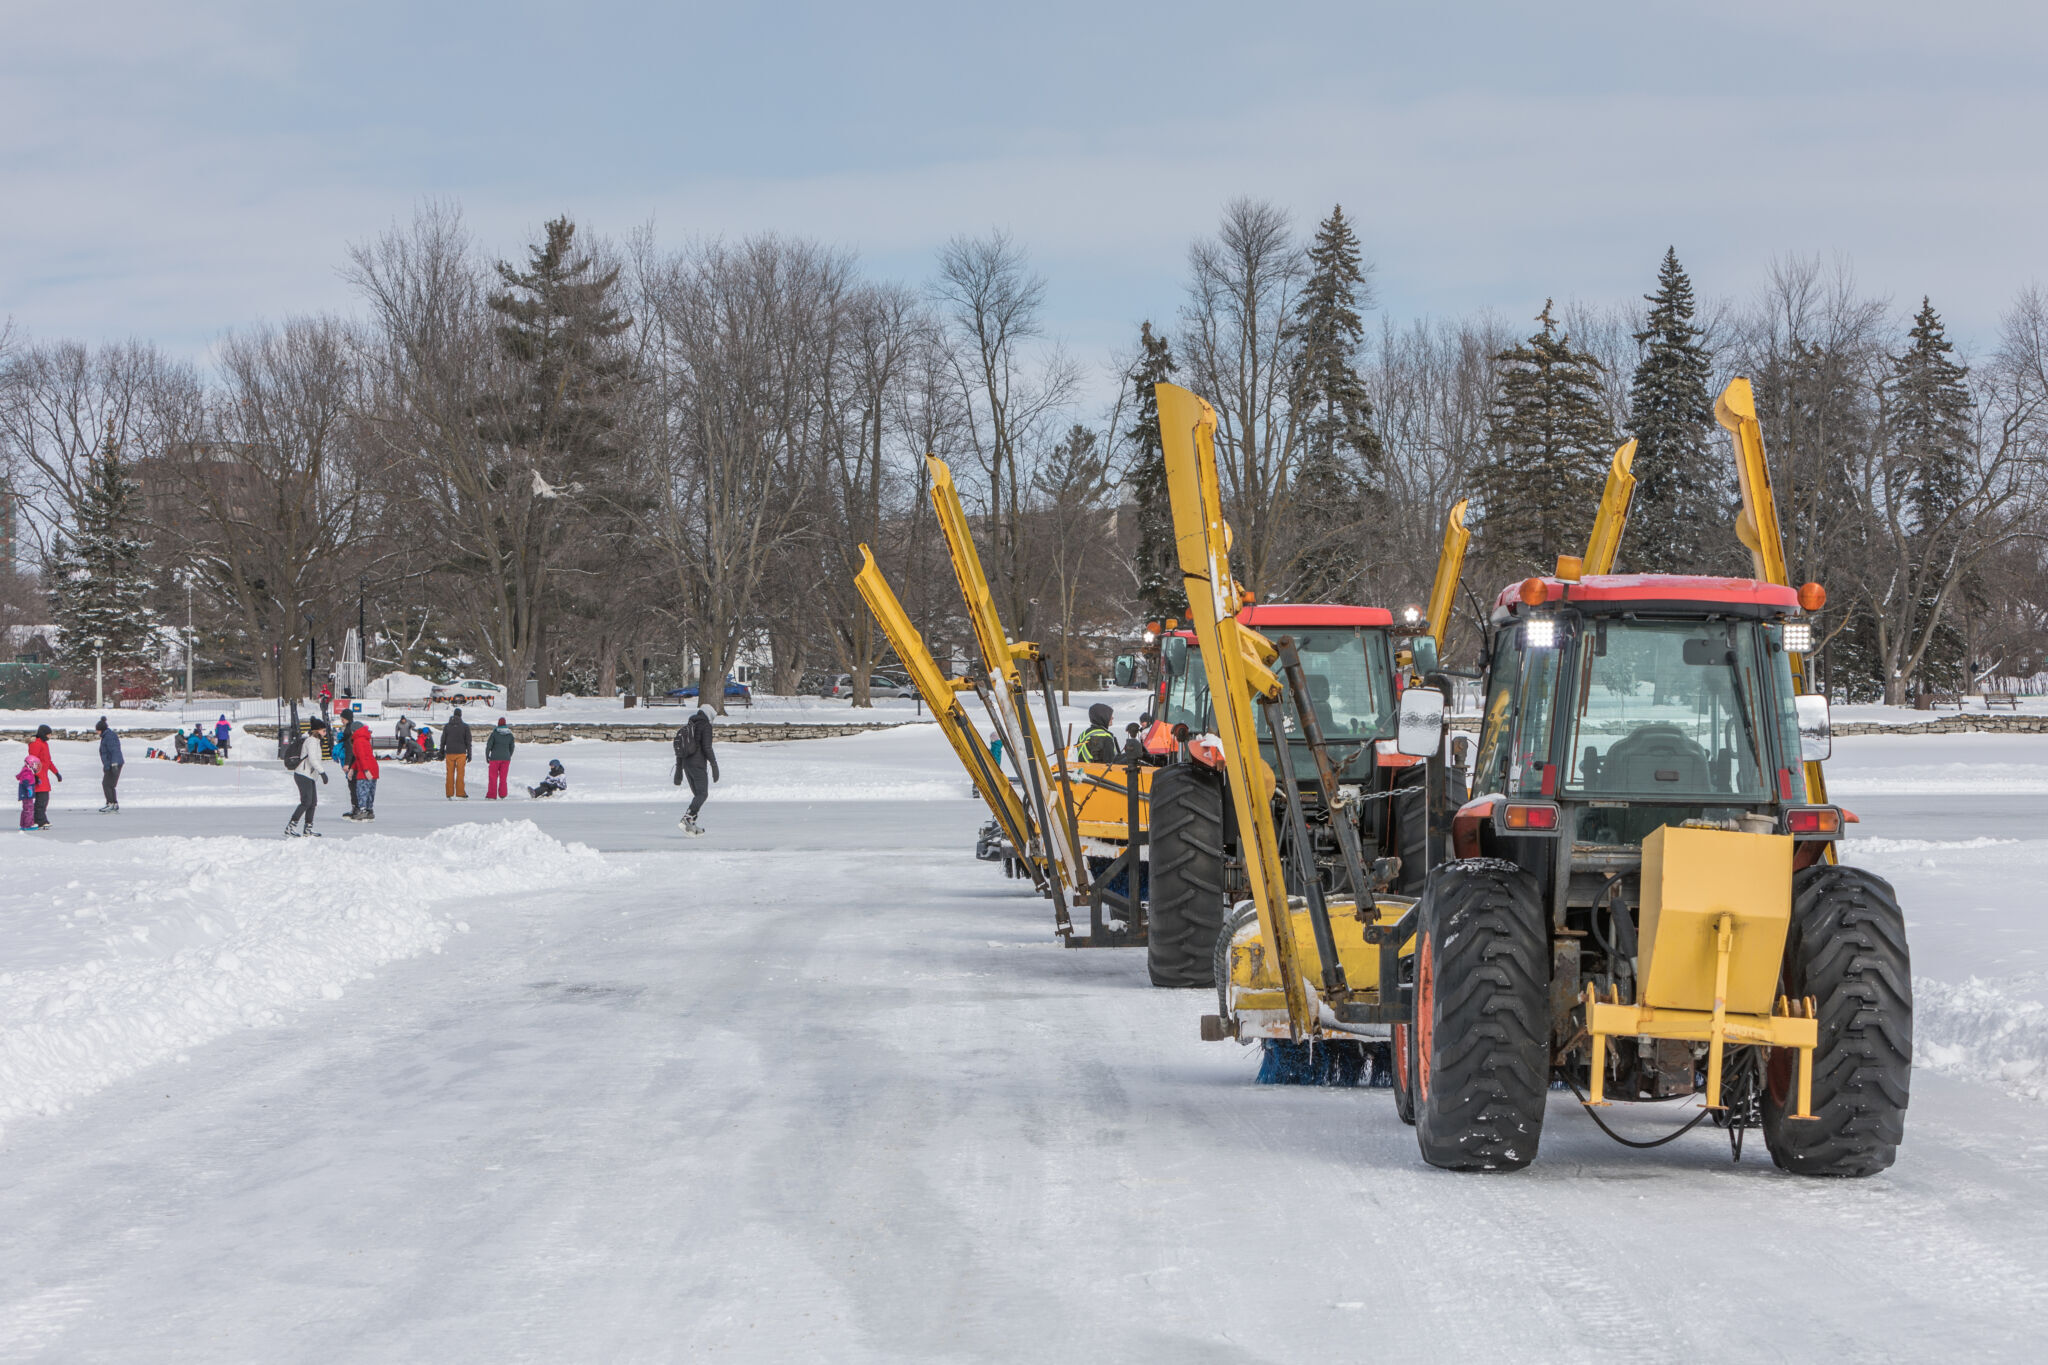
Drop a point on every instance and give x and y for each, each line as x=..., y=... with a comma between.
x=188, y=643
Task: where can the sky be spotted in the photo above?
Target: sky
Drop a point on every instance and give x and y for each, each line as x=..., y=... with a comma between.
x=171, y=171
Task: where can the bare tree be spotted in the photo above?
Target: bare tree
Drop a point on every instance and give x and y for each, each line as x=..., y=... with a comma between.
x=992, y=301
x=1239, y=350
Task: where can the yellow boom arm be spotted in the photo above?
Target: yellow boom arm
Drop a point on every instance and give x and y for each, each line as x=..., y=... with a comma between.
x=1239, y=662
x=1050, y=813
x=944, y=699
x=1612, y=518
x=1757, y=527
x=1450, y=566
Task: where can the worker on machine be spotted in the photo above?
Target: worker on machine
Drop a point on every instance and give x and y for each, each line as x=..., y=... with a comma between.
x=1098, y=744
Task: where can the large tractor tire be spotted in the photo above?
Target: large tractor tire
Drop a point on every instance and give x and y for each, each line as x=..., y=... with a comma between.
x=1411, y=828
x=1482, y=1017
x=1847, y=949
x=1401, y=1052
x=1185, y=912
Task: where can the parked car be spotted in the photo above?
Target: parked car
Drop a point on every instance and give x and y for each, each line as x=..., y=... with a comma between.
x=468, y=692
x=734, y=691
x=879, y=685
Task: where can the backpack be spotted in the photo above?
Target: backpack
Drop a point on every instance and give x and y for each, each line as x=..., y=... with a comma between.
x=687, y=743
x=294, y=752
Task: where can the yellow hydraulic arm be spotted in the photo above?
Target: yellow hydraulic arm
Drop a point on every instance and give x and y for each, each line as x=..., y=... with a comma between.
x=943, y=696
x=1612, y=518
x=1757, y=527
x=1050, y=813
x=1450, y=566
x=1239, y=661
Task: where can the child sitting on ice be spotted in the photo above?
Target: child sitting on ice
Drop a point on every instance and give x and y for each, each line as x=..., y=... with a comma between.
x=554, y=782
x=25, y=788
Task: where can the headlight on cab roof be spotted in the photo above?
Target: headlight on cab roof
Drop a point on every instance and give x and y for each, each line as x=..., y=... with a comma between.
x=1799, y=636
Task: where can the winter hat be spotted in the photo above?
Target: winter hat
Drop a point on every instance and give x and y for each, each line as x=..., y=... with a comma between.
x=708, y=710
x=223, y=717
x=100, y=724
x=1100, y=714
x=42, y=732
x=501, y=720
x=555, y=767
x=456, y=714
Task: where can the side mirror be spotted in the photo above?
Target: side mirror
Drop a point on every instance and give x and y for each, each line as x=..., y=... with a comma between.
x=1816, y=734
x=1126, y=670
x=1173, y=651
x=1420, y=730
x=1423, y=649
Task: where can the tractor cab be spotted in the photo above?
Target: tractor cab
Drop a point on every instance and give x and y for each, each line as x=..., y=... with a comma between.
x=1617, y=705
x=1348, y=656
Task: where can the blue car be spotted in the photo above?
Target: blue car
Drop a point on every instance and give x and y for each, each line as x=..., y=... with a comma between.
x=734, y=691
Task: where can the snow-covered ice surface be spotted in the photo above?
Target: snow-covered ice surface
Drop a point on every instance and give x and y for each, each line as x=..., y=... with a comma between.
x=820, y=1087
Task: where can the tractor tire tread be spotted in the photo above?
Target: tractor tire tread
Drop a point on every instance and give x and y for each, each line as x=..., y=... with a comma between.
x=1480, y=1106
x=1186, y=910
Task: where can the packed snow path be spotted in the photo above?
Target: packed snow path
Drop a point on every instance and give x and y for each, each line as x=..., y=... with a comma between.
x=819, y=1087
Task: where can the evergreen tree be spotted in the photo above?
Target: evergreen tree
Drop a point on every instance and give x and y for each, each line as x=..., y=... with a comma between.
x=1549, y=443
x=1159, y=581
x=100, y=586
x=1682, y=488
x=1339, y=461
x=556, y=318
x=1931, y=421
x=1931, y=418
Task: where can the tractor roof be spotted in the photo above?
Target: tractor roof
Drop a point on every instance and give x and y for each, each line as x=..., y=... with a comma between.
x=1264, y=615
x=1626, y=591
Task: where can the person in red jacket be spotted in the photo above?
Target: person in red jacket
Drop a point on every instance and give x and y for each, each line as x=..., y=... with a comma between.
x=362, y=759
x=46, y=768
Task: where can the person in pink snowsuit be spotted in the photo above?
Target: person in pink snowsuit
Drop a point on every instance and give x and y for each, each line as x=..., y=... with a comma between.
x=25, y=788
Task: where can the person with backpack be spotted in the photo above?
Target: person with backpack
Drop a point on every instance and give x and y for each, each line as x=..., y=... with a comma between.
x=1098, y=744
x=694, y=756
x=455, y=754
x=497, y=760
x=110, y=766
x=341, y=735
x=302, y=755
x=362, y=753
x=46, y=769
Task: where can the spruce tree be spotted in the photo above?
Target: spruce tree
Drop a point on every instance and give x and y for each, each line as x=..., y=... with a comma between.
x=1931, y=420
x=555, y=320
x=1158, y=569
x=1931, y=417
x=1549, y=442
x=1340, y=457
x=100, y=586
x=1682, y=489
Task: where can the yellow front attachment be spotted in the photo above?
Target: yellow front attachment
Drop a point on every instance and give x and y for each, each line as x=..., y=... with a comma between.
x=1256, y=1000
x=1102, y=812
x=1239, y=662
x=1715, y=908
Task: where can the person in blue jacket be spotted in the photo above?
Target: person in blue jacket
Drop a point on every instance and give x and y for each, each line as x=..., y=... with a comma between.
x=222, y=732
x=110, y=766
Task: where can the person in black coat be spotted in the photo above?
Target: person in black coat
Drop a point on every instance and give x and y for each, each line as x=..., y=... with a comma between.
x=694, y=757
x=455, y=754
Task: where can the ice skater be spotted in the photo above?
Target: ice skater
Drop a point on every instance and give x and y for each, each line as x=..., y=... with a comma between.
x=694, y=756
x=46, y=770
x=111, y=764
x=362, y=753
x=497, y=760
x=222, y=734
x=556, y=781
x=302, y=755
x=25, y=789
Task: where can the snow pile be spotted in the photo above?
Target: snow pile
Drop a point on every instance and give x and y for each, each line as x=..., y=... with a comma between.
x=1980, y=1031
x=401, y=687
x=150, y=946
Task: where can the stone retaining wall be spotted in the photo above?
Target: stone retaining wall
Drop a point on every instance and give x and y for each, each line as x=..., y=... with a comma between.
x=742, y=732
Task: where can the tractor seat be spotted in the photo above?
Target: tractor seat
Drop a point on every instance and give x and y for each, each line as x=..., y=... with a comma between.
x=1655, y=758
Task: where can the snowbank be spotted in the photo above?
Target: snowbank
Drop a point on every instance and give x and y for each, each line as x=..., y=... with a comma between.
x=150, y=946
x=400, y=687
x=1980, y=1031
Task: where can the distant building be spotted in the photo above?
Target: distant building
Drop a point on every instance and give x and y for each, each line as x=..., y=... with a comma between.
x=195, y=482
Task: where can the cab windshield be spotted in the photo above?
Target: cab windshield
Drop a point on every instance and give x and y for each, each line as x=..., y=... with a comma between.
x=1672, y=708
x=1350, y=684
